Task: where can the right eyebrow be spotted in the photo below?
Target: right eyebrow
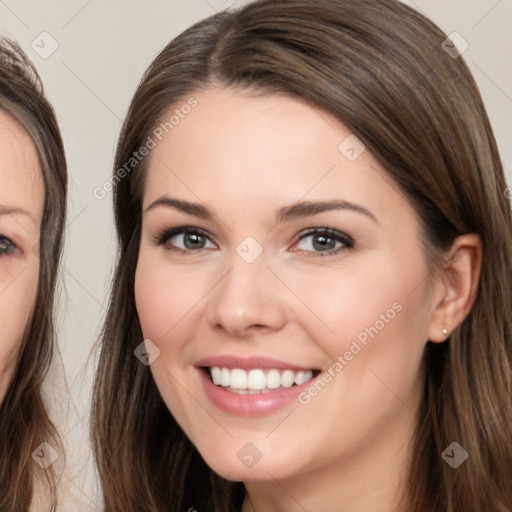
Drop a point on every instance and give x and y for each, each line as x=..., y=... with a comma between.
x=185, y=206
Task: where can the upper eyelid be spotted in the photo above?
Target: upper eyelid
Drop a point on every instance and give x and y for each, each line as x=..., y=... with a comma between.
x=18, y=237
x=330, y=231
x=5, y=237
x=171, y=232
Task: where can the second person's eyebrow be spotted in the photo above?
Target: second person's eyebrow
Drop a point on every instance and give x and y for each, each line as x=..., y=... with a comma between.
x=12, y=210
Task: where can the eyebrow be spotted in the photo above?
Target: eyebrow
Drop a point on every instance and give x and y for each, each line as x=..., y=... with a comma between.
x=286, y=213
x=11, y=210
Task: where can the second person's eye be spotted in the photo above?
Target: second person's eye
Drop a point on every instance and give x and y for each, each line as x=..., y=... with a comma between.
x=7, y=247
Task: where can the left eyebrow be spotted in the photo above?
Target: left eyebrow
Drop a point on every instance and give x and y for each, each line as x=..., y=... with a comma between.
x=307, y=208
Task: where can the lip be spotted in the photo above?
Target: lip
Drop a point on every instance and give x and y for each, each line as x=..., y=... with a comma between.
x=248, y=363
x=249, y=405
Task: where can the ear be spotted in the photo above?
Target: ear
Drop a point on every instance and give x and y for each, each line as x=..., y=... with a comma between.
x=456, y=287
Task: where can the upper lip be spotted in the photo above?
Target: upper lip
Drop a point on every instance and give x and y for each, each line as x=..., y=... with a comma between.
x=248, y=363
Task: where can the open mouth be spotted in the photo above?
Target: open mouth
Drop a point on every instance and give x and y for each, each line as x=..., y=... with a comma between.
x=257, y=381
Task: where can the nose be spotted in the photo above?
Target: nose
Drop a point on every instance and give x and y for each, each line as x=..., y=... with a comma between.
x=247, y=301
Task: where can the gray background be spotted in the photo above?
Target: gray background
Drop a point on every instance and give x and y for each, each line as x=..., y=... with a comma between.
x=103, y=48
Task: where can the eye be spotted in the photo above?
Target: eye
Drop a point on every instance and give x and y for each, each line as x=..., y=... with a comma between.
x=317, y=242
x=6, y=246
x=184, y=240
x=324, y=242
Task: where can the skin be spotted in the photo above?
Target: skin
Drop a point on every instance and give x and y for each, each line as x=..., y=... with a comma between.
x=244, y=157
x=21, y=210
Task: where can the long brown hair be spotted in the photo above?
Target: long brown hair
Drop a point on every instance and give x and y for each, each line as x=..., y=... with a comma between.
x=24, y=420
x=380, y=67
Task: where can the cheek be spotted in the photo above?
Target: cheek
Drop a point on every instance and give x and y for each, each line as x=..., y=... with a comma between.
x=164, y=297
x=379, y=319
x=165, y=301
x=369, y=318
x=342, y=303
x=16, y=302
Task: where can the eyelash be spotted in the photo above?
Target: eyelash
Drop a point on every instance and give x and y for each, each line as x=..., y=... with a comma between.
x=338, y=236
x=7, y=247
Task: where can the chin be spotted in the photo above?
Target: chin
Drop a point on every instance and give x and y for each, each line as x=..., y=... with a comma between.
x=247, y=462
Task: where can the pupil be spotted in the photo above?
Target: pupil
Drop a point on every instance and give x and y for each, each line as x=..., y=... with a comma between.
x=193, y=240
x=322, y=242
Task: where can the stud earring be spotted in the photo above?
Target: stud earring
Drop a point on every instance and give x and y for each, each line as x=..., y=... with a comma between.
x=445, y=332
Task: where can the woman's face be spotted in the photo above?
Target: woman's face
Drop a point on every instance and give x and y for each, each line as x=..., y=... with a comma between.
x=21, y=210
x=299, y=256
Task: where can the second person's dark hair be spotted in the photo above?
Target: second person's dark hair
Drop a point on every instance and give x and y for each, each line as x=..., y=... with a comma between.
x=24, y=420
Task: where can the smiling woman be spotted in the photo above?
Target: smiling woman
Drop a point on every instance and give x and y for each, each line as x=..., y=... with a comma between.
x=315, y=265
x=32, y=211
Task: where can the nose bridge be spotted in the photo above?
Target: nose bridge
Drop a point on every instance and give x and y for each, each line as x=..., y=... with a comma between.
x=245, y=298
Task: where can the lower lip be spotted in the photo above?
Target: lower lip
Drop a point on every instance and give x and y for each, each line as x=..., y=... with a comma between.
x=250, y=405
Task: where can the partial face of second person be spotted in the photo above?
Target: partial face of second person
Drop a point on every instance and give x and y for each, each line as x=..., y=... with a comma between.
x=248, y=288
x=21, y=210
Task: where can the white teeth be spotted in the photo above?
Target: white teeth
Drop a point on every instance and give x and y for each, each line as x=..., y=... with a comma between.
x=273, y=379
x=302, y=377
x=225, y=377
x=238, y=379
x=216, y=375
x=287, y=379
x=299, y=378
x=257, y=380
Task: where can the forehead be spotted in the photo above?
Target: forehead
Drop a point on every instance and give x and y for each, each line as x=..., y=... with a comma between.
x=244, y=149
x=239, y=129
x=20, y=172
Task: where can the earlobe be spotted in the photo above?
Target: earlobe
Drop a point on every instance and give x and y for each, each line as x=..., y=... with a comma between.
x=458, y=282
